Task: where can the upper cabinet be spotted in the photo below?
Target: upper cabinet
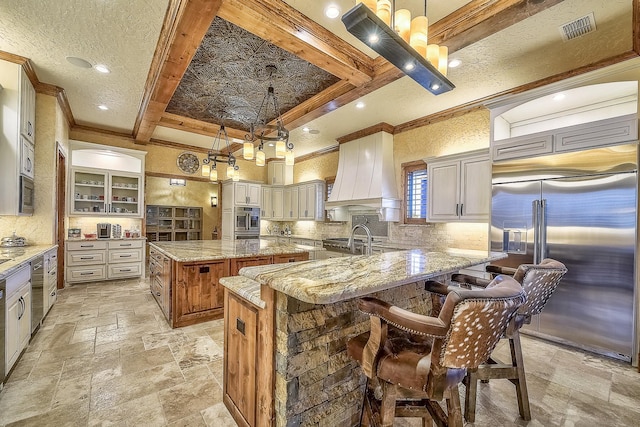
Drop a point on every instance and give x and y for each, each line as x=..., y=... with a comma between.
x=279, y=173
x=311, y=201
x=459, y=187
x=17, y=135
x=105, y=181
x=564, y=120
x=241, y=194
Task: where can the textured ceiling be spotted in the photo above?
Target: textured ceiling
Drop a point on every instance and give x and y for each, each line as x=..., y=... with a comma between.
x=227, y=79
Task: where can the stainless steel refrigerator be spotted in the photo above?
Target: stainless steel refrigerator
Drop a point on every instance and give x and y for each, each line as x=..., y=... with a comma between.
x=578, y=208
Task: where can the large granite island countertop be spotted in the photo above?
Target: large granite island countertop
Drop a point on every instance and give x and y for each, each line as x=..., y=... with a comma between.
x=205, y=250
x=339, y=279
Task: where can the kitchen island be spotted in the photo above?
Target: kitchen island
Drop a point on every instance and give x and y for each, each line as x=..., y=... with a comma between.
x=184, y=275
x=286, y=328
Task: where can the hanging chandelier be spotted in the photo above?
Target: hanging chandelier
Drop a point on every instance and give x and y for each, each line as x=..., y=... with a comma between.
x=272, y=132
x=216, y=156
x=401, y=40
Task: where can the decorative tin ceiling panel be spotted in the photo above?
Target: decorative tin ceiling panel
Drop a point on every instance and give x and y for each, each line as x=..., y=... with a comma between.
x=228, y=79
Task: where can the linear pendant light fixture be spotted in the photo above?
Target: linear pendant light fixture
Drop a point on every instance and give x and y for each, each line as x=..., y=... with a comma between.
x=364, y=24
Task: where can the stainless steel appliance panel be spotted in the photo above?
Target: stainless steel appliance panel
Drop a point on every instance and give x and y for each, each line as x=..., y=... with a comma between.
x=591, y=228
x=247, y=223
x=3, y=302
x=37, y=292
x=588, y=222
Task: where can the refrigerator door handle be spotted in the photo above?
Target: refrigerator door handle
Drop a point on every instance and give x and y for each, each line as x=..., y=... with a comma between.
x=542, y=243
x=536, y=230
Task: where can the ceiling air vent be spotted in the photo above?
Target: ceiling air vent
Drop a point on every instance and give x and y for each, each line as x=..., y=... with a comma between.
x=578, y=27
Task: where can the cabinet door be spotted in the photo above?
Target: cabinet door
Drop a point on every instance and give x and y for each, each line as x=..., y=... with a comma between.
x=25, y=320
x=302, y=202
x=254, y=193
x=27, y=155
x=12, y=331
x=27, y=107
x=266, y=208
x=198, y=292
x=227, y=224
x=88, y=193
x=290, y=203
x=126, y=195
x=277, y=201
x=275, y=172
x=241, y=334
x=475, y=190
x=241, y=193
x=443, y=190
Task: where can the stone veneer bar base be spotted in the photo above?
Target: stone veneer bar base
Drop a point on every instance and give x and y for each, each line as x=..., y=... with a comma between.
x=316, y=383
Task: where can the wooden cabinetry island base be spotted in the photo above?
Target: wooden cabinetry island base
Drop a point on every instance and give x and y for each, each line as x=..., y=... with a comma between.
x=185, y=276
x=286, y=329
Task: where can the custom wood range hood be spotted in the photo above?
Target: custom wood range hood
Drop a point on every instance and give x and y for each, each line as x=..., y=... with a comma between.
x=365, y=179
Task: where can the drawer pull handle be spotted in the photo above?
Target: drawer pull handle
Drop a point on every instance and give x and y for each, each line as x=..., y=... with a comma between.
x=86, y=246
x=87, y=274
x=125, y=244
x=125, y=256
x=124, y=270
x=87, y=257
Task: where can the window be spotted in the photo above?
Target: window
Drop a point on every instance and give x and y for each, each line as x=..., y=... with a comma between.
x=415, y=185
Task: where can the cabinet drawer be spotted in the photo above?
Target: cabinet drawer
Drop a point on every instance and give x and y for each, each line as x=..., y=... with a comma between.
x=124, y=244
x=124, y=270
x=86, y=257
x=86, y=245
x=86, y=274
x=125, y=255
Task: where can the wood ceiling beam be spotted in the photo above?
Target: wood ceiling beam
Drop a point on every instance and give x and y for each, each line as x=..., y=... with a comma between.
x=185, y=25
x=287, y=28
x=175, y=121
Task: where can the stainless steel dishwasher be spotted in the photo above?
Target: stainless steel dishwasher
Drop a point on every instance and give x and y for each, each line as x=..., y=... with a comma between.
x=3, y=302
x=37, y=292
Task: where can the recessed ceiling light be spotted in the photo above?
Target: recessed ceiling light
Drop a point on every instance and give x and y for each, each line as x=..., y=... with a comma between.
x=332, y=11
x=409, y=66
x=373, y=39
x=102, y=68
x=270, y=144
x=435, y=86
x=360, y=104
x=103, y=107
x=305, y=129
x=79, y=62
x=559, y=96
x=454, y=63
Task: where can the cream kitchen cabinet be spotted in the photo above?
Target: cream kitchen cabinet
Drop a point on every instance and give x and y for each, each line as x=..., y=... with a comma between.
x=279, y=173
x=459, y=187
x=108, y=259
x=50, y=287
x=311, y=201
x=290, y=202
x=18, y=315
x=17, y=121
x=266, y=208
x=277, y=203
x=243, y=193
x=101, y=193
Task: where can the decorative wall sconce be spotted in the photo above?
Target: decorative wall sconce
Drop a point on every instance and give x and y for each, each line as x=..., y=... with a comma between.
x=214, y=201
x=178, y=181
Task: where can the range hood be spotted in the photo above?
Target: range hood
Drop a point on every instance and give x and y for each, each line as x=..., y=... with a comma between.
x=366, y=179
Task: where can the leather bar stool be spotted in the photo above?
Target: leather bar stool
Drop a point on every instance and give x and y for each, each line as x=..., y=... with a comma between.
x=539, y=281
x=419, y=360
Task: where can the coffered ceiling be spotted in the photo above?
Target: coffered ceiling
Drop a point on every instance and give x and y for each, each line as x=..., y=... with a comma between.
x=180, y=68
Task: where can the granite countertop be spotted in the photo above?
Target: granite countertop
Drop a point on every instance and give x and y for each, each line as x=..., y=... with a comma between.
x=204, y=250
x=338, y=279
x=20, y=255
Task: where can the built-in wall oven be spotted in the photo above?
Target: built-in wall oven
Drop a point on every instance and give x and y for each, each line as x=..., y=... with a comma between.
x=27, y=199
x=247, y=223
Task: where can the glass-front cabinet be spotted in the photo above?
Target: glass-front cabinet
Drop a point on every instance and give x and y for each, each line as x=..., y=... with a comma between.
x=105, y=181
x=98, y=193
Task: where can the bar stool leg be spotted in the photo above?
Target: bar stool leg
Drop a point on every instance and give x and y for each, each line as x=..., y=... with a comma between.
x=471, y=388
x=520, y=380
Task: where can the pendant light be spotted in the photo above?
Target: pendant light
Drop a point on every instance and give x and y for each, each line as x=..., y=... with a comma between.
x=401, y=41
x=215, y=156
x=206, y=170
x=263, y=129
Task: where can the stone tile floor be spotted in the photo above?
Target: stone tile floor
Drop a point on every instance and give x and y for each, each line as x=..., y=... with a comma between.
x=106, y=356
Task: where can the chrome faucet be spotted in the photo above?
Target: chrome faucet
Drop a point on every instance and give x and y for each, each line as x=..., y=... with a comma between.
x=350, y=243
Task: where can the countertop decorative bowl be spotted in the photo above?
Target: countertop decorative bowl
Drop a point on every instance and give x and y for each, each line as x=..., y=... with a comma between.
x=90, y=235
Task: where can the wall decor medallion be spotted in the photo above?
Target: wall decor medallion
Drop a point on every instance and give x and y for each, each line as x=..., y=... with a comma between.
x=188, y=162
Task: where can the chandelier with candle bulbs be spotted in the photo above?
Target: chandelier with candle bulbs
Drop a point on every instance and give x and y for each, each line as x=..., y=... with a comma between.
x=262, y=130
x=216, y=156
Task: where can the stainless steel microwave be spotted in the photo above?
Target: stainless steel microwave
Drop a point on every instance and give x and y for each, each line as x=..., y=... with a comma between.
x=27, y=199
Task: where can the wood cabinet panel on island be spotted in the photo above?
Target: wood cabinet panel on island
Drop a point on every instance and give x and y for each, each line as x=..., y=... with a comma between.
x=185, y=276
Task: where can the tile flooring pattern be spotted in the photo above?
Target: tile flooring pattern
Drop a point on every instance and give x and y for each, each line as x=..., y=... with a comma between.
x=105, y=356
